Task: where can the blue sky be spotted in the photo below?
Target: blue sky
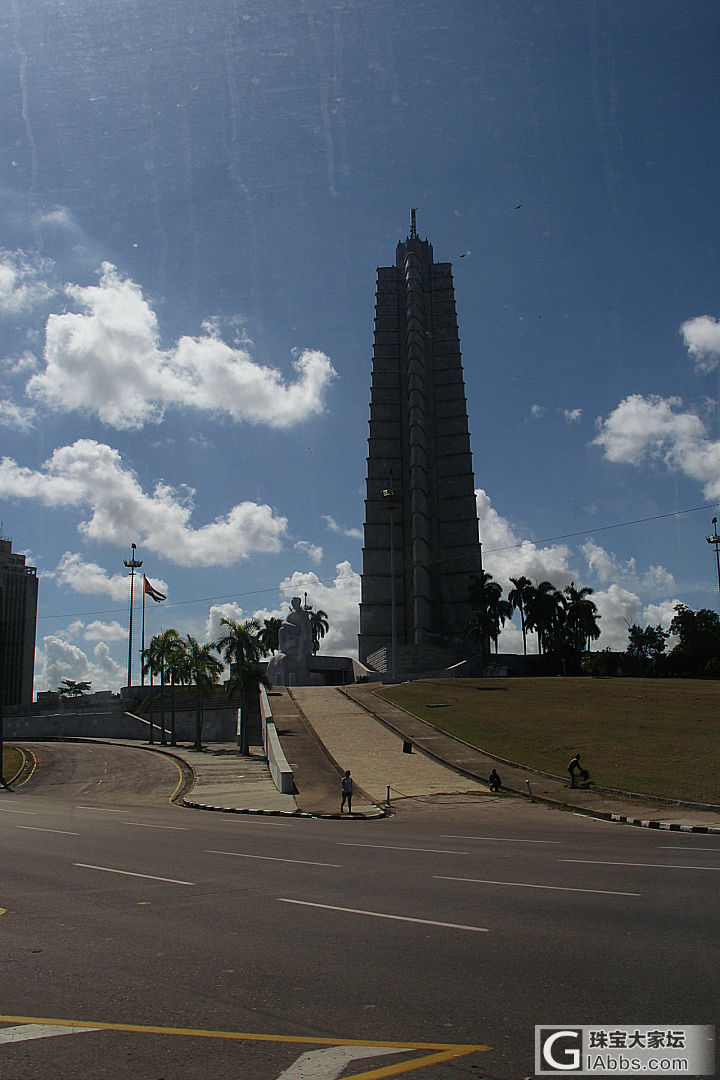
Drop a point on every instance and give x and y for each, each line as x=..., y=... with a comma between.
x=193, y=201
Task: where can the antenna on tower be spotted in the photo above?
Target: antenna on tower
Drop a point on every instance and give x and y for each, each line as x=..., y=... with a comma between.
x=413, y=227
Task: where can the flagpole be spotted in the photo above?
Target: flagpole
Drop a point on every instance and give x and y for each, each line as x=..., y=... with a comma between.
x=142, y=654
x=133, y=565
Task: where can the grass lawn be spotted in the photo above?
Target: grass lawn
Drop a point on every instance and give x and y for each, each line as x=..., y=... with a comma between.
x=655, y=736
x=12, y=762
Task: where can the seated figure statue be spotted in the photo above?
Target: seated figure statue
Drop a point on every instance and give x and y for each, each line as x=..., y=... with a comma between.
x=289, y=667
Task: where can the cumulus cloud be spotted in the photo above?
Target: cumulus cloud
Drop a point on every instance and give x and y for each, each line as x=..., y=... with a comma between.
x=106, y=360
x=103, y=631
x=23, y=283
x=606, y=566
x=91, y=476
x=88, y=578
x=537, y=411
x=217, y=613
x=656, y=428
x=57, y=659
x=572, y=416
x=702, y=340
x=313, y=551
x=505, y=556
x=619, y=608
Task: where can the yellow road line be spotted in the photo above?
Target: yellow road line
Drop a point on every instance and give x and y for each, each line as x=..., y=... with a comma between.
x=27, y=755
x=180, y=782
x=451, y=1049
x=415, y=1063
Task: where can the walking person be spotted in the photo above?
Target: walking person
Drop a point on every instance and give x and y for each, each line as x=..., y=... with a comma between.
x=346, y=787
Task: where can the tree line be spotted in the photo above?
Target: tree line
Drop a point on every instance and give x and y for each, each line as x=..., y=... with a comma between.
x=564, y=622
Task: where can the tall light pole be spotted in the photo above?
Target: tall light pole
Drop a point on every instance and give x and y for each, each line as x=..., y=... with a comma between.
x=389, y=494
x=133, y=564
x=715, y=539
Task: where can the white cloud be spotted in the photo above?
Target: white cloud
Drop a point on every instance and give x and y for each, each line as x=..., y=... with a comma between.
x=102, y=631
x=618, y=608
x=702, y=340
x=16, y=416
x=91, y=475
x=89, y=579
x=217, y=612
x=313, y=551
x=537, y=411
x=606, y=566
x=106, y=359
x=58, y=659
x=22, y=281
x=332, y=525
x=340, y=599
x=504, y=556
x=654, y=428
x=572, y=416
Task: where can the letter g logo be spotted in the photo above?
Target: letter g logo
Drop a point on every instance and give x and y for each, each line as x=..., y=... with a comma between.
x=561, y=1050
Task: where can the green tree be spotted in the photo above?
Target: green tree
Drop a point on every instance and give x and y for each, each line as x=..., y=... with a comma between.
x=699, y=647
x=489, y=611
x=157, y=662
x=647, y=643
x=318, y=626
x=241, y=649
x=268, y=635
x=544, y=614
x=581, y=617
x=203, y=672
x=70, y=688
x=177, y=669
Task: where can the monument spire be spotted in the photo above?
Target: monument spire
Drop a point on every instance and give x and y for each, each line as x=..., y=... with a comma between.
x=421, y=542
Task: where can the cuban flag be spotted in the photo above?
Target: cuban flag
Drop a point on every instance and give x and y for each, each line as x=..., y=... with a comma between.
x=154, y=594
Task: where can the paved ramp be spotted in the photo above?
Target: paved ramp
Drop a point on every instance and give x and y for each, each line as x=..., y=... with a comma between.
x=374, y=755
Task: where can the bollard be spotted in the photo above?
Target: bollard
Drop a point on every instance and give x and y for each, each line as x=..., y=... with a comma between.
x=530, y=791
x=388, y=795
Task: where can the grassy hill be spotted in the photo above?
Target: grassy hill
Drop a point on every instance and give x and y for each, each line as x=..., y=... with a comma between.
x=655, y=736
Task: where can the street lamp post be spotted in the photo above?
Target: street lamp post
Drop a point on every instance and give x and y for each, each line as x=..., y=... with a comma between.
x=389, y=494
x=133, y=565
x=715, y=540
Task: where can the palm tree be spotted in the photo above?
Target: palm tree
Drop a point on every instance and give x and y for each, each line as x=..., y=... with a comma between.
x=318, y=626
x=581, y=616
x=177, y=669
x=157, y=658
x=544, y=605
x=240, y=647
x=268, y=635
x=518, y=599
x=484, y=595
x=203, y=670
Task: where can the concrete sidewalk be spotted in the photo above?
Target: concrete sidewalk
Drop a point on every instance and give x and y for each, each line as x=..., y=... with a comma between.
x=325, y=730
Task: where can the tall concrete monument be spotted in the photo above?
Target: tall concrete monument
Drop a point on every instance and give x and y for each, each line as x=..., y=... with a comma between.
x=421, y=540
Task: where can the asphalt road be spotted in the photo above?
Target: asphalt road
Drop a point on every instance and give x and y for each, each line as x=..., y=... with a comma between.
x=457, y=921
